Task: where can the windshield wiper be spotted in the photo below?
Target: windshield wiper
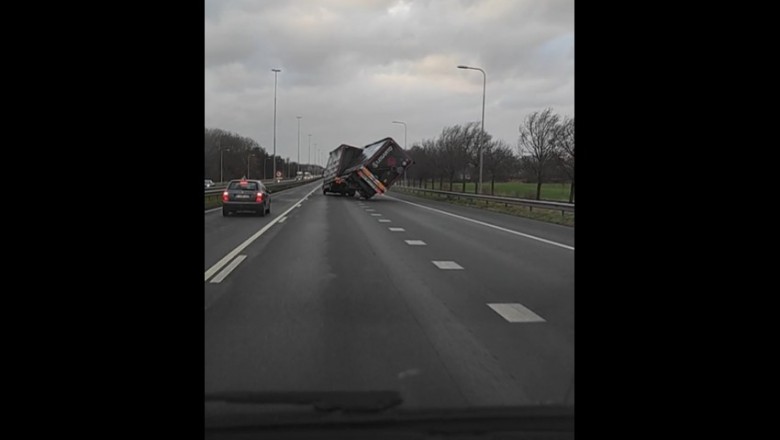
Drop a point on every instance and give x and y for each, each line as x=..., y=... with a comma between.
x=346, y=401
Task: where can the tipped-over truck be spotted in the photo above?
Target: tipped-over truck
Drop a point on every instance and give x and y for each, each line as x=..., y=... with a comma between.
x=368, y=171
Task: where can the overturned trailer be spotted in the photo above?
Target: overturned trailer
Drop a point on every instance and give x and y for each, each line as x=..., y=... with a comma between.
x=339, y=160
x=368, y=171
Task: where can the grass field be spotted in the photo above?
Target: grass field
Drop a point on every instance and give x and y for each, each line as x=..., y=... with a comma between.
x=213, y=201
x=547, y=215
x=550, y=191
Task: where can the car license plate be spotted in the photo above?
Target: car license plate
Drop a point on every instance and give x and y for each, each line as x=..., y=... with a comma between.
x=242, y=196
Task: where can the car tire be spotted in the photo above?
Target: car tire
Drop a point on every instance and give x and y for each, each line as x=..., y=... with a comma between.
x=225, y=212
x=268, y=211
x=262, y=212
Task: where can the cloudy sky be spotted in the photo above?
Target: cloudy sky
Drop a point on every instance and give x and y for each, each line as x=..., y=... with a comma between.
x=351, y=67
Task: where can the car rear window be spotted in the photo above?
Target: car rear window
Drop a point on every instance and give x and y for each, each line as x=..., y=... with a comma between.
x=251, y=186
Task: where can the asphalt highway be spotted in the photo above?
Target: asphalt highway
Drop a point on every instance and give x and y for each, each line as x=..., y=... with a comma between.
x=451, y=306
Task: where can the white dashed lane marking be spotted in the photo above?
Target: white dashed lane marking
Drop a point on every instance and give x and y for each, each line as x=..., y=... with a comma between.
x=447, y=265
x=415, y=242
x=396, y=229
x=515, y=312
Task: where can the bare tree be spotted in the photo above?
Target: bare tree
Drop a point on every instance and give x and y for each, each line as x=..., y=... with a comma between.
x=421, y=170
x=453, y=148
x=471, y=138
x=499, y=162
x=432, y=156
x=537, y=141
x=235, y=156
x=564, y=149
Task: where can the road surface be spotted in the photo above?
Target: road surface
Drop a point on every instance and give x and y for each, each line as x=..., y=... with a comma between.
x=451, y=306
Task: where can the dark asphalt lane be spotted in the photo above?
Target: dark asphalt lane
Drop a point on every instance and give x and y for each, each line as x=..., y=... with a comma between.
x=225, y=233
x=331, y=299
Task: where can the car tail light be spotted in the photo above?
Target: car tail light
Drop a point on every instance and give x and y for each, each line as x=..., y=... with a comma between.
x=259, y=197
x=225, y=196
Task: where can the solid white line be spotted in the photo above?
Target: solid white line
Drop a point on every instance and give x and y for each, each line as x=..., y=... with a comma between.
x=281, y=220
x=213, y=269
x=533, y=237
x=298, y=205
x=515, y=312
x=226, y=271
x=415, y=242
x=447, y=265
x=397, y=229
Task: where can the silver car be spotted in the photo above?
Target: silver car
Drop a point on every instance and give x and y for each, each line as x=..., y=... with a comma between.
x=246, y=195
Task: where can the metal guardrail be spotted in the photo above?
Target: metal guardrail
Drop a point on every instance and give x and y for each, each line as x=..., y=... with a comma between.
x=543, y=204
x=223, y=185
x=272, y=187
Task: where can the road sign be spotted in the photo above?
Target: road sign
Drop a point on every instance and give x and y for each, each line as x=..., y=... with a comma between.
x=278, y=174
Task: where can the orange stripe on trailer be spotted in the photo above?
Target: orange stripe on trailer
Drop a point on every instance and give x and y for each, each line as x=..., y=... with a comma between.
x=368, y=180
x=375, y=180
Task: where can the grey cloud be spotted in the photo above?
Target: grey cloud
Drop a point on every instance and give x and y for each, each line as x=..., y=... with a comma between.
x=350, y=67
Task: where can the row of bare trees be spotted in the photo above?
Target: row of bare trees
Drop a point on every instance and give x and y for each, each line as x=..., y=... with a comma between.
x=547, y=141
x=243, y=157
x=545, y=151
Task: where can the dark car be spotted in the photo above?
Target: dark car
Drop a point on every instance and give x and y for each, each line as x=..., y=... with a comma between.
x=246, y=195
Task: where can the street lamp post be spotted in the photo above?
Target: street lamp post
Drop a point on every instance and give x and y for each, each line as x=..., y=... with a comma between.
x=482, y=137
x=275, y=71
x=404, y=123
x=299, y=142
